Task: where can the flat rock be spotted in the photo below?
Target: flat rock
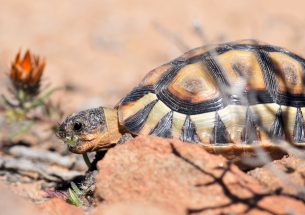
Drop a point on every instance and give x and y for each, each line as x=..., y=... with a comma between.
x=183, y=178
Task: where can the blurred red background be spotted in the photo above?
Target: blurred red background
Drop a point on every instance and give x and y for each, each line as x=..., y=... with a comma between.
x=104, y=48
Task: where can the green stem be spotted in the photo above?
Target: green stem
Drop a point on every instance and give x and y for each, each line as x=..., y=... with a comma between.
x=21, y=97
x=87, y=160
x=41, y=100
x=22, y=130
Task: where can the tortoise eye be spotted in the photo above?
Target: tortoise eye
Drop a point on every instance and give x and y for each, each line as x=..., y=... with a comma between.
x=78, y=126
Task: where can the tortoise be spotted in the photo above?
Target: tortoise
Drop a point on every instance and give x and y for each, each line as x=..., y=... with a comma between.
x=231, y=98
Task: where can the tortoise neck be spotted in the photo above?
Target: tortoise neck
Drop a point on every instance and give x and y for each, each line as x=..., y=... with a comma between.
x=112, y=123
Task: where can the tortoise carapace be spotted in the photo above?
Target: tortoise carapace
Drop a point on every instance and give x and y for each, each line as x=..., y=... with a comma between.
x=229, y=97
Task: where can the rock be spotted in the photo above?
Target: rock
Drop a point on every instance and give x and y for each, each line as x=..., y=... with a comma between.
x=280, y=205
x=13, y=204
x=131, y=208
x=182, y=178
x=287, y=174
x=57, y=206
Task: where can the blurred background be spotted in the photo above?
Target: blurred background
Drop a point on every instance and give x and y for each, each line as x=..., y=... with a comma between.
x=100, y=49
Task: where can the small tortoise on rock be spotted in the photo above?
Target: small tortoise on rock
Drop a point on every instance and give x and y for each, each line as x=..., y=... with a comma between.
x=231, y=98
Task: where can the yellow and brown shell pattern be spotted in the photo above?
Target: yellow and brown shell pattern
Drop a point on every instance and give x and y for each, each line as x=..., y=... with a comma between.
x=237, y=93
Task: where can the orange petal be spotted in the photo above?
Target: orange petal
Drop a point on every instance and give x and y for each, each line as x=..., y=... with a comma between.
x=38, y=73
x=13, y=73
x=17, y=59
x=26, y=63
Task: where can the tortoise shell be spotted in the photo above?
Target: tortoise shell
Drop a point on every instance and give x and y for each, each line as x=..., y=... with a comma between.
x=228, y=94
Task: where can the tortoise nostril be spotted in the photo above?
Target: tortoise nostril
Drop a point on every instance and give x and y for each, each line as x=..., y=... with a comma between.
x=60, y=132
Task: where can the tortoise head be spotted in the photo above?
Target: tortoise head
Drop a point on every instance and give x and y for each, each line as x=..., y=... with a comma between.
x=90, y=130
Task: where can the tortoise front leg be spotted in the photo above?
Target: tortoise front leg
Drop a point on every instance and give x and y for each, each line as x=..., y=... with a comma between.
x=124, y=138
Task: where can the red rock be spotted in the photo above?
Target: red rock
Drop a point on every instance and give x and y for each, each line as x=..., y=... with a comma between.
x=57, y=206
x=131, y=208
x=281, y=205
x=13, y=204
x=181, y=177
x=287, y=174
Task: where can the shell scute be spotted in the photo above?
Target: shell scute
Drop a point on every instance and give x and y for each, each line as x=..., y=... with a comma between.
x=194, y=84
x=155, y=75
x=242, y=67
x=289, y=73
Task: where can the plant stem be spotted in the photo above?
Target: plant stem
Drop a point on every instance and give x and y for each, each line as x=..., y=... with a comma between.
x=41, y=100
x=22, y=130
x=87, y=160
x=21, y=97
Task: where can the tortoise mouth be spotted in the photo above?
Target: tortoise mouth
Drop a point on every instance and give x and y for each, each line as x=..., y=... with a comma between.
x=85, y=143
x=79, y=144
